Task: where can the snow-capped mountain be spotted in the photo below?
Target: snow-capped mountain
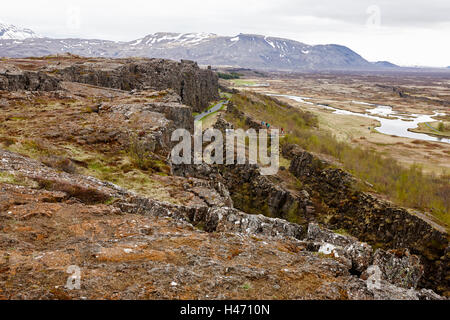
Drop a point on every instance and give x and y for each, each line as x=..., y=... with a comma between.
x=9, y=31
x=243, y=50
x=167, y=38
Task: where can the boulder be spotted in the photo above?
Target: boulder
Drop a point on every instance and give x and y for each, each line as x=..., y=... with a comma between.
x=399, y=267
x=356, y=255
x=232, y=220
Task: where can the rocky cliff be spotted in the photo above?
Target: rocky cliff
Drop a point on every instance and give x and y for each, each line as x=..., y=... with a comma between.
x=320, y=192
x=13, y=79
x=327, y=196
x=371, y=219
x=196, y=87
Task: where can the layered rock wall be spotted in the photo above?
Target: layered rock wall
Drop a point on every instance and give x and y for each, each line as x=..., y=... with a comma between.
x=371, y=219
x=28, y=80
x=196, y=86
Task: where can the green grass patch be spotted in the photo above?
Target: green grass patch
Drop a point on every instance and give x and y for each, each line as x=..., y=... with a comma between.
x=438, y=128
x=275, y=112
x=225, y=95
x=6, y=177
x=9, y=178
x=242, y=82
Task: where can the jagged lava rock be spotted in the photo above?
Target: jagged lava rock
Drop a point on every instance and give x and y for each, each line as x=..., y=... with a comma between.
x=194, y=85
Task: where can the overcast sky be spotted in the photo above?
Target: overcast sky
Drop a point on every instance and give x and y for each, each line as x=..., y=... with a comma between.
x=406, y=32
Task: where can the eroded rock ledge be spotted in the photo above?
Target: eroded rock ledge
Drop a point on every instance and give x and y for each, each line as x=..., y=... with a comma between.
x=371, y=219
x=342, y=207
x=195, y=86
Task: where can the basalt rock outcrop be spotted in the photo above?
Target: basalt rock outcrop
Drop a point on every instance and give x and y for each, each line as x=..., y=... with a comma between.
x=371, y=219
x=13, y=78
x=255, y=193
x=329, y=195
x=154, y=121
x=251, y=191
x=399, y=267
x=196, y=87
x=358, y=256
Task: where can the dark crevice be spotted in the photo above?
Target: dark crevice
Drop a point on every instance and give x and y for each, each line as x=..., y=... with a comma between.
x=353, y=271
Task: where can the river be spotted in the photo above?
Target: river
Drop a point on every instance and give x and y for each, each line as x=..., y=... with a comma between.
x=396, y=124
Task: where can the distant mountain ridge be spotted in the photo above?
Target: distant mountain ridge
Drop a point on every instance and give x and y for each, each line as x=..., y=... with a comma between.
x=243, y=50
x=385, y=64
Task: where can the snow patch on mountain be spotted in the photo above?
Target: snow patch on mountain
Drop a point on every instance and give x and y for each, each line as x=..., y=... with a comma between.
x=167, y=38
x=269, y=42
x=9, y=31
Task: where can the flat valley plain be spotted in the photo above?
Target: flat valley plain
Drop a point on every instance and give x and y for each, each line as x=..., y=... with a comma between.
x=419, y=93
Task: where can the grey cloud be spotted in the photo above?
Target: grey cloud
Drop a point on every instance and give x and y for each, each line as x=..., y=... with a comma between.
x=403, y=13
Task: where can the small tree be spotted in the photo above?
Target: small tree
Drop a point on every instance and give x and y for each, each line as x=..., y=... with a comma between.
x=441, y=126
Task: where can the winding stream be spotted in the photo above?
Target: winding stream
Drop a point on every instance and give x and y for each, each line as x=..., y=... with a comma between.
x=396, y=125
